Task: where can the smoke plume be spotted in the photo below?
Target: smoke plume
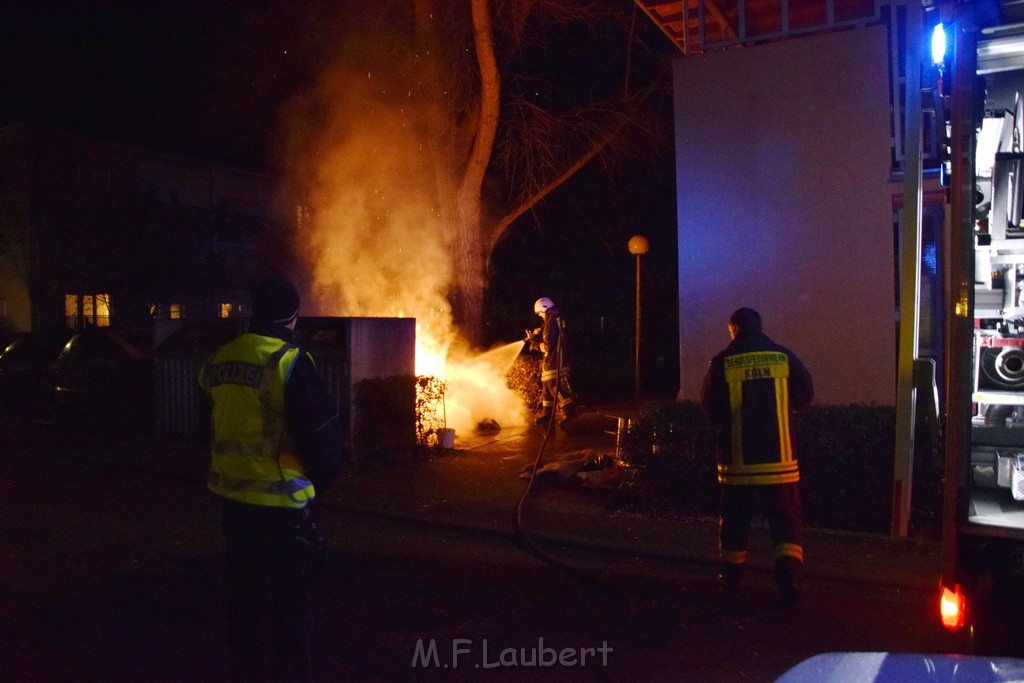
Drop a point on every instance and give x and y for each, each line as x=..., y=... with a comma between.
x=375, y=226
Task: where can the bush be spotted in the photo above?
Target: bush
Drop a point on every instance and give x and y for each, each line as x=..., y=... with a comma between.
x=671, y=448
x=524, y=379
x=846, y=463
x=845, y=452
x=385, y=414
x=430, y=412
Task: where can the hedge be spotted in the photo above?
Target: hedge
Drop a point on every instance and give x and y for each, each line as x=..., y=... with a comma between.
x=846, y=455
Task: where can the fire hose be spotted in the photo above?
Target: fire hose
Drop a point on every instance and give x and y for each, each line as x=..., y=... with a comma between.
x=528, y=543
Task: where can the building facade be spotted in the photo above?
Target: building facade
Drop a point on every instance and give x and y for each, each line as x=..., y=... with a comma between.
x=95, y=233
x=789, y=122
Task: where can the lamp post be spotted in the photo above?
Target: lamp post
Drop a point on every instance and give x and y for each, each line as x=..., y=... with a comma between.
x=638, y=246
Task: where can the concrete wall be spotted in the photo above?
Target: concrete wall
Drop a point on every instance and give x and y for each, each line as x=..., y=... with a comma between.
x=784, y=204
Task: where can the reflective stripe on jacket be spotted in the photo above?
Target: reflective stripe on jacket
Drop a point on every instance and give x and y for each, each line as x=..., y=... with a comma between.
x=548, y=375
x=554, y=341
x=251, y=458
x=750, y=391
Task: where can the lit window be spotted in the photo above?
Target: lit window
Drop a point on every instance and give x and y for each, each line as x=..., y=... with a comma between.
x=101, y=317
x=71, y=310
x=225, y=310
x=175, y=311
x=87, y=309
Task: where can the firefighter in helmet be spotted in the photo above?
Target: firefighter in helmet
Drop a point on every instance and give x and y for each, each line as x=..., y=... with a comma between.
x=552, y=341
x=277, y=444
x=749, y=392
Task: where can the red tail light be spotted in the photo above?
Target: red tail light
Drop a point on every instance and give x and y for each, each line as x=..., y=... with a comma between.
x=952, y=606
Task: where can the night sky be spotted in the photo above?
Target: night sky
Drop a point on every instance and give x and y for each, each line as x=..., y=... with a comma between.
x=206, y=80
x=200, y=79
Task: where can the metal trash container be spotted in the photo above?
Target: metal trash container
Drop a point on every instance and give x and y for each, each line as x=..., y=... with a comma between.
x=182, y=409
x=369, y=368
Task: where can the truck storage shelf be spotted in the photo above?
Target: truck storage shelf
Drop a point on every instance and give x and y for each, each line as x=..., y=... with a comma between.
x=1005, y=398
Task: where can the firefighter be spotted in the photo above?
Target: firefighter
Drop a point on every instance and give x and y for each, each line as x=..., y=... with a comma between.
x=749, y=392
x=277, y=443
x=553, y=342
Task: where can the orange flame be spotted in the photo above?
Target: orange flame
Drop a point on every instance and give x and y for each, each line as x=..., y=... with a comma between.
x=376, y=233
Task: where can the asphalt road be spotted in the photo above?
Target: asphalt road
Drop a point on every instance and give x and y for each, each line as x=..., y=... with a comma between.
x=114, y=574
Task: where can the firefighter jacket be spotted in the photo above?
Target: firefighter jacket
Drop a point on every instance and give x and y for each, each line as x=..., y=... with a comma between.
x=554, y=341
x=277, y=439
x=749, y=392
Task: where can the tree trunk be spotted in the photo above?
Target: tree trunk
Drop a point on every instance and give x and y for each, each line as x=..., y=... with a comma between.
x=468, y=245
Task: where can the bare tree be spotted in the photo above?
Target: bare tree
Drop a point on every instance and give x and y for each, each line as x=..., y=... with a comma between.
x=502, y=128
x=532, y=149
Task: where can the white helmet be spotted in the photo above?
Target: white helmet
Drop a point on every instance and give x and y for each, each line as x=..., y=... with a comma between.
x=542, y=304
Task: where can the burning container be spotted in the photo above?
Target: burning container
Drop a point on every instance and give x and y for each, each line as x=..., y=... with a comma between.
x=367, y=364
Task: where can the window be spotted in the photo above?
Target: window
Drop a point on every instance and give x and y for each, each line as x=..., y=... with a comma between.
x=71, y=310
x=85, y=310
x=165, y=311
x=225, y=310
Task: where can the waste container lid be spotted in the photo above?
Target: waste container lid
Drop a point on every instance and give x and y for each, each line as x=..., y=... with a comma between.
x=200, y=337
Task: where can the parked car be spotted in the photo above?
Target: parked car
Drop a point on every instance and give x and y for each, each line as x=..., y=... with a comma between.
x=104, y=379
x=28, y=367
x=7, y=336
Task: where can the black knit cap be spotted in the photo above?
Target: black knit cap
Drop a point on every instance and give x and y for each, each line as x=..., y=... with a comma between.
x=746, y=320
x=275, y=300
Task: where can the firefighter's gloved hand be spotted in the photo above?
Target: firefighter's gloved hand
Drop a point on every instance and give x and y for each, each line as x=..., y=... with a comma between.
x=533, y=338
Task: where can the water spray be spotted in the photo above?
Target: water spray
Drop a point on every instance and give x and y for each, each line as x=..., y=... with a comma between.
x=503, y=357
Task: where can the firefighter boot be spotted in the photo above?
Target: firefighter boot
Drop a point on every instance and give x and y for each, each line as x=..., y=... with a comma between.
x=543, y=418
x=787, y=571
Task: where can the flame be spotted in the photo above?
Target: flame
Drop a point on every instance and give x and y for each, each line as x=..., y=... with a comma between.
x=376, y=230
x=476, y=387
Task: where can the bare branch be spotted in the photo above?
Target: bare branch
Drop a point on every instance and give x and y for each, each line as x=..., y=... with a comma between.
x=600, y=141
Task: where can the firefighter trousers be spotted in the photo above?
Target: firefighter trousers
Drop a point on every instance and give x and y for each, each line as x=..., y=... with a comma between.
x=556, y=391
x=780, y=504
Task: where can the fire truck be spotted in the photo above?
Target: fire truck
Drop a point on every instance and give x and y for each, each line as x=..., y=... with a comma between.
x=981, y=101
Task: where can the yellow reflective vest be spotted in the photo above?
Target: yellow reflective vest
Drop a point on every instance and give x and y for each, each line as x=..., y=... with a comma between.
x=252, y=460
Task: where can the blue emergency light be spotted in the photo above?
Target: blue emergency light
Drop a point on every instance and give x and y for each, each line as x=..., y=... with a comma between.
x=939, y=44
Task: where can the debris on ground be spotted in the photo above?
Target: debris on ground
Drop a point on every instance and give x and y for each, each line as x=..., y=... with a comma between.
x=586, y=468
x=488, y=426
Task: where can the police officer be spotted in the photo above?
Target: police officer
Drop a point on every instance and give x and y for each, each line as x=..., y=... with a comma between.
x=277, y=443
x=551, y=338
x=749, y=392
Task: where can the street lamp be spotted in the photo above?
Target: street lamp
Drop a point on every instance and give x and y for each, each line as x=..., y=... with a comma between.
x=638, y=246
